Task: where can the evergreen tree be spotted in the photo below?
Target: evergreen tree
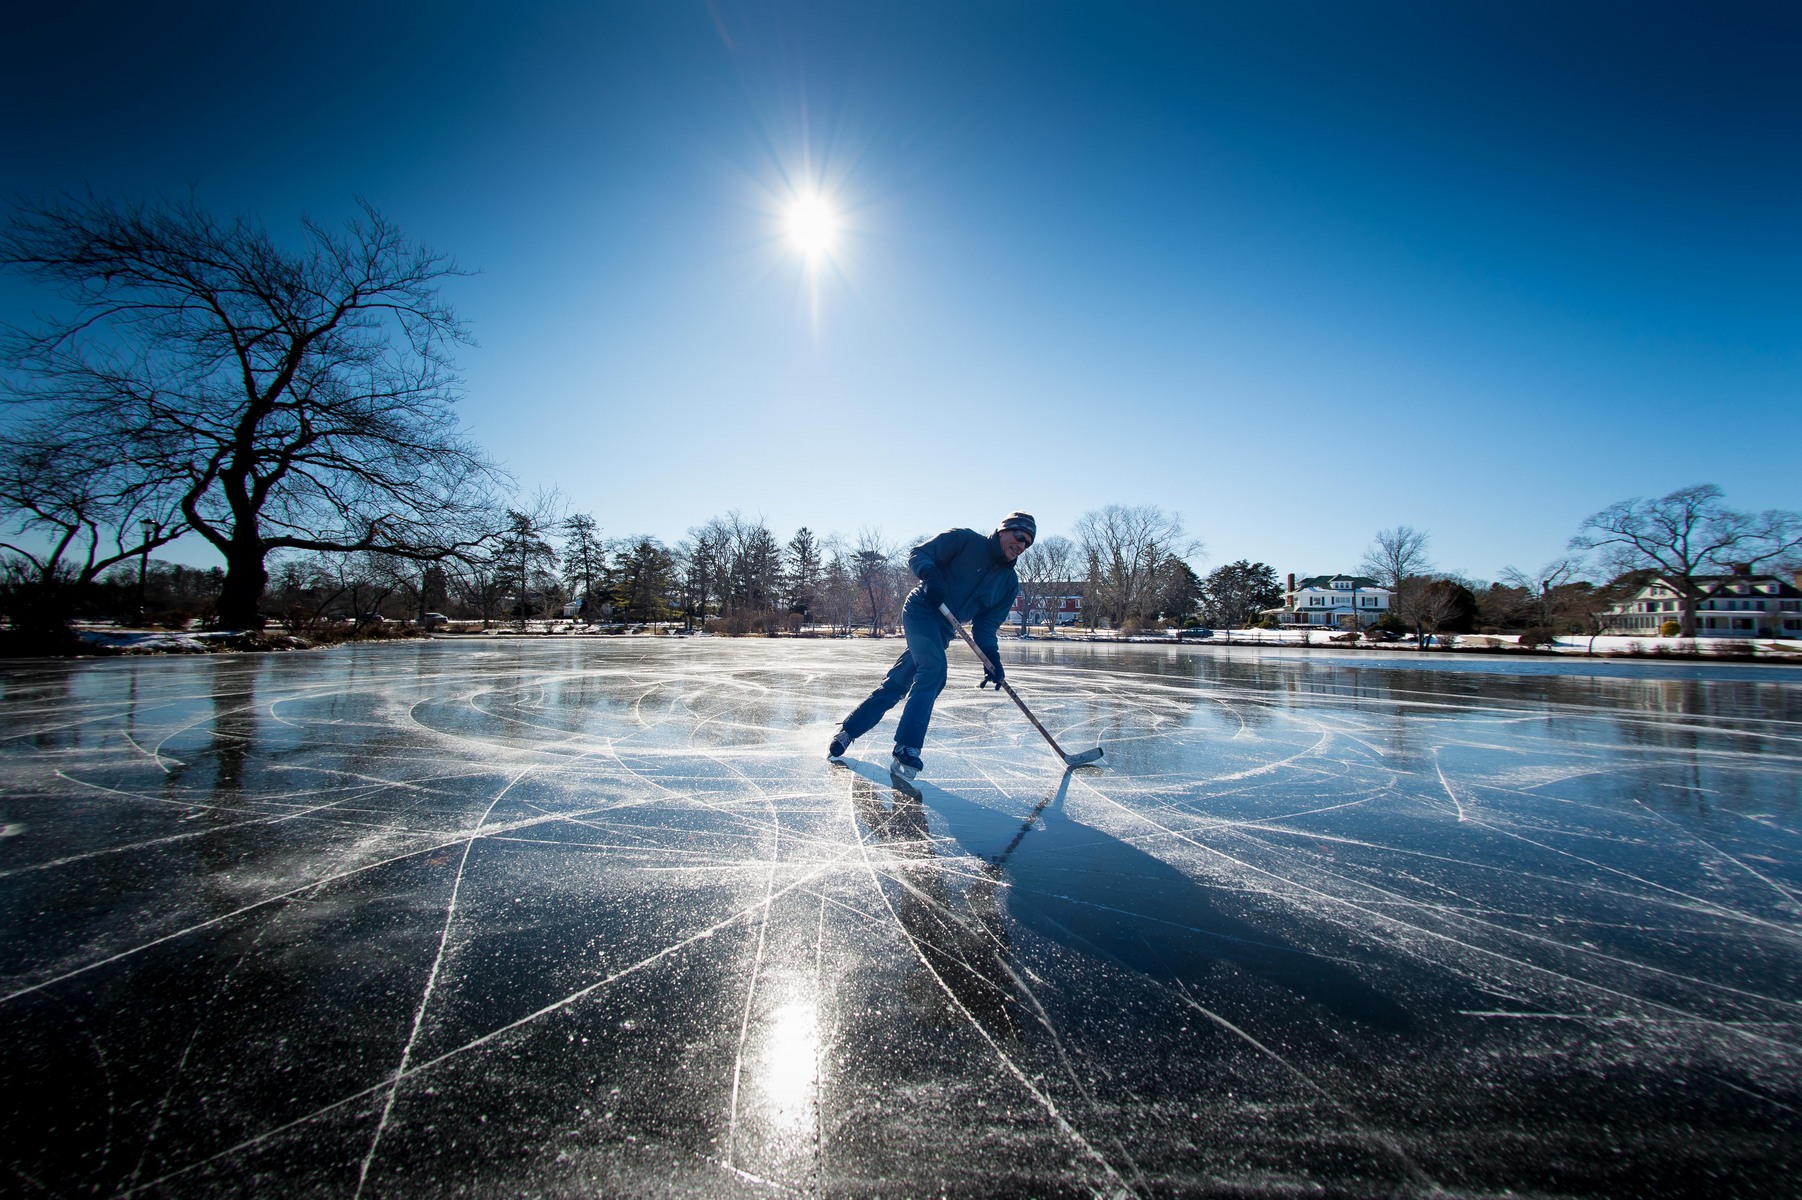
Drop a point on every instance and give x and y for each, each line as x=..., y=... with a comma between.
x=584, y=559
x=644, y=580
x=525, y=550
x=803, y=571
x=1235, y=595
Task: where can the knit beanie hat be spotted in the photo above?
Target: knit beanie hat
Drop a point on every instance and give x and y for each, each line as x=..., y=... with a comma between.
x=1021, y=521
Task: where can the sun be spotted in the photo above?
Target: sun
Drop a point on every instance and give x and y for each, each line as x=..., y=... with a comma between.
x=812, y=225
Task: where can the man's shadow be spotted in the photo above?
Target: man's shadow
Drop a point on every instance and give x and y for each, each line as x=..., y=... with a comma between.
x=965, y=944
x=1108, y=899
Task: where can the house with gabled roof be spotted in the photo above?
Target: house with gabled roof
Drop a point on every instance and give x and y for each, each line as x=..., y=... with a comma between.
x=1061, y=602
x=1336, y=600
x=1740, y=605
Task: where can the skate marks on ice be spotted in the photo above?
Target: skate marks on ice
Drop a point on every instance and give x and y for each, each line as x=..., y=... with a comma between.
x=563, y=918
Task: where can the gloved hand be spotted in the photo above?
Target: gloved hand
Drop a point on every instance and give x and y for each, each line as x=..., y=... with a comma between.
x=994, y=674
x=934, y=583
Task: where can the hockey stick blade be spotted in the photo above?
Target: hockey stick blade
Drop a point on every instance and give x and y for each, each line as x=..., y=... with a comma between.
x=1083, y=759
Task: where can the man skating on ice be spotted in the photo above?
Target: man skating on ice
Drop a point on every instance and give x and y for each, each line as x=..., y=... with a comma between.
x=974, y=576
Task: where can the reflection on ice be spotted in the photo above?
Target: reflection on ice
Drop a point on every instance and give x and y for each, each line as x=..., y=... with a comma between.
x=597, y=918
x=790, y=1064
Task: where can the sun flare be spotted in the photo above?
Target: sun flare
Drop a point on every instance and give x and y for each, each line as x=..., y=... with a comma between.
x=812, y=225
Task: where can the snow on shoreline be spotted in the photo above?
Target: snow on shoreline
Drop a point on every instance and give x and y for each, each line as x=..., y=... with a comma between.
x=140, y=641
x=112, y=641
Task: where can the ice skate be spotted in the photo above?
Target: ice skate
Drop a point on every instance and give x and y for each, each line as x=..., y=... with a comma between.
x=905, y=765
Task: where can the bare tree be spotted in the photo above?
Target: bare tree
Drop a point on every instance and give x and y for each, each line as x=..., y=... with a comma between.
x=386, y=575
x=706, y=557
x=1062, y=562
x=740, y=564
x=837, y=598
x=756, y=569
x=420, y=586
x=295, y=400
x=1127, y=547
x=1592, y=608
x=1688, y=533
x=879, y=578
x=479, y=582
x=1395, y=555
x=1541, y=585
x=1046, y=568
x=304, y=590
x=72, y=511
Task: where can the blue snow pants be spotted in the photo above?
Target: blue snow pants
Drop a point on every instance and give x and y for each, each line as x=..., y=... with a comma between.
x=919, y=674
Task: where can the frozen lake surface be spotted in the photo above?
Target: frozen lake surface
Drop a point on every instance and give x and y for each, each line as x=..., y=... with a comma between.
x=553, y=918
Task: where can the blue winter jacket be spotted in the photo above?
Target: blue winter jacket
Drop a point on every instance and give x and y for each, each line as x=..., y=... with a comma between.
x=980, y=584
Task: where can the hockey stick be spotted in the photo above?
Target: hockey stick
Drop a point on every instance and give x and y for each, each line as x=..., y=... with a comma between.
x=1070, y=760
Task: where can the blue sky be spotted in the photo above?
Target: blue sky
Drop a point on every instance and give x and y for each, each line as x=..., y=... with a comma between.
x=1298, y=271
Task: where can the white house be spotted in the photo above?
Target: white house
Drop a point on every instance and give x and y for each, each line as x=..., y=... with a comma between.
x=596, y=607
x=1740, y=605
x=1336, y=600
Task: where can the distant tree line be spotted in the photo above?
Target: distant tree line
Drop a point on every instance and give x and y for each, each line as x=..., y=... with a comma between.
x=293, y=405
x=1683, y=538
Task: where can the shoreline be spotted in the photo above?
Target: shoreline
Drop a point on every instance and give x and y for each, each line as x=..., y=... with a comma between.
x=118, y=643
x=1771, y=654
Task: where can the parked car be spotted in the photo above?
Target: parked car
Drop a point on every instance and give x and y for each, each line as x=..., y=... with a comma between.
x=434, y=620
x=1192, y=634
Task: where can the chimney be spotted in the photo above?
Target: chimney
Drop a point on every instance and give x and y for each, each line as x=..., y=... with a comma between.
x=1292, y=588
x=1742, y=568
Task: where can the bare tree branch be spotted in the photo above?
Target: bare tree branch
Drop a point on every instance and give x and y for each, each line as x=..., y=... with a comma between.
x=1687, y=534
x=1397, y=554
x=1128, y=549
x=288, y=399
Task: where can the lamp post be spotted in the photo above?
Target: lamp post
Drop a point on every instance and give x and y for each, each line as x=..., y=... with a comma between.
x=147, y=526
